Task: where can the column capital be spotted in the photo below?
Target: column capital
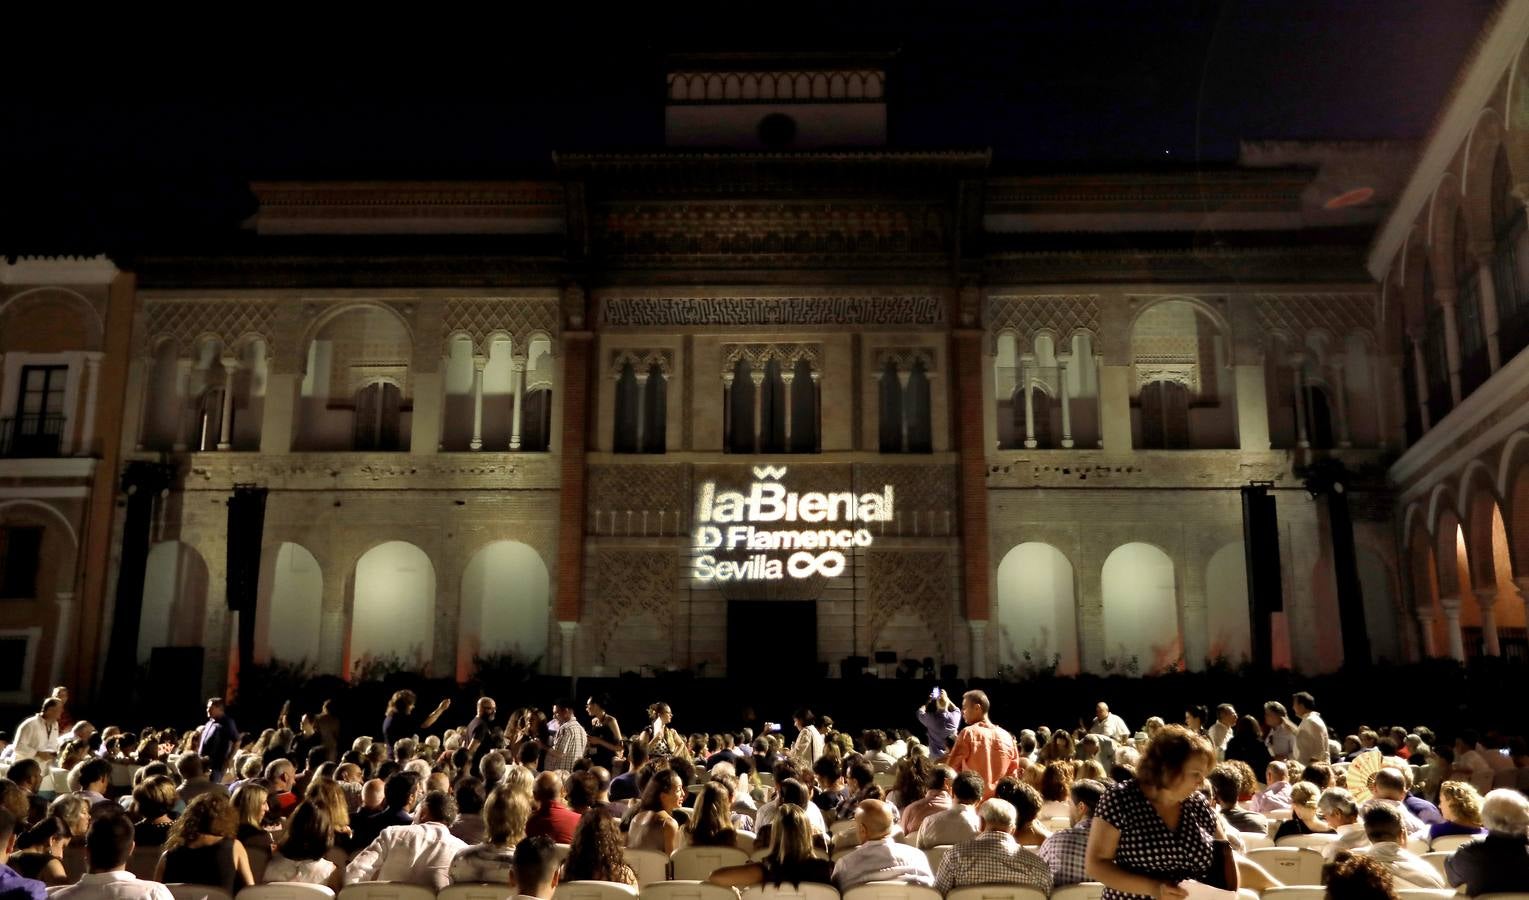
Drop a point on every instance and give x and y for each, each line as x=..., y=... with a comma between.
x=1486, y=598
x=756, y=376
x=480, y=362
x=1425, y=616
x=642, y=377
x=1446, y=296
x=230, y=362
x=727, y=378
x=1451, y=607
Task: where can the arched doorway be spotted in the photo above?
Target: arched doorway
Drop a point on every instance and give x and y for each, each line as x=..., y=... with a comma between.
x=1037, y=610
x=1141, y=611
x=393, y=619
x=292, y=597
x=505, y=594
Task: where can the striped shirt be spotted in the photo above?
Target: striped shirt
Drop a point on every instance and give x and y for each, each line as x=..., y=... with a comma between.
x=1065, y=853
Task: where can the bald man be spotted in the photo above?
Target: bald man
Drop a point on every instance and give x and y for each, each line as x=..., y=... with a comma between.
x=552, y=817
x=879, y=857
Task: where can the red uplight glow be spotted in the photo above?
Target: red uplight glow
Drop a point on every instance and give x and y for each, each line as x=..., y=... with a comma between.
x=1350, y=198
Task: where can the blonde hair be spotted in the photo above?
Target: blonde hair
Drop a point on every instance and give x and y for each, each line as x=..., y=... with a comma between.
x=505, y=816
x=1304, y=793
x=520, y=780
x=1464, y=799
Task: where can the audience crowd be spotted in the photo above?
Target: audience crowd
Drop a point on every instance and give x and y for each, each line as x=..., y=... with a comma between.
x=532, y=800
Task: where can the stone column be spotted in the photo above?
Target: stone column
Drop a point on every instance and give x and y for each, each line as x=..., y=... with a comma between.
x=1115, y=407
x=1420, y=376
x=183, y=402
x=146, y=385
x=1486, y=292
x=1340, y=401
x=1522, y=583
x=226, y=416
x=727, y=411
x=1024, y=384
x=903, y=379
x=64, y=637
x=817, y=407
x=518, y=389
x=1252, y=405
x=757, y=375
x=642, y=407
x=92, y=398
x=978, y=628
x=1062, y=368
x=567, y=631
x=1446, y=299
x=1298, y=366
x=477, y=441
x=1486, y=598
x=1452, y=633
x=788, y=376
x=1425, y=623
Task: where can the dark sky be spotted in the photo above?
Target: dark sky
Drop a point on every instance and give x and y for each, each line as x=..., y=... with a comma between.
x=148, y=142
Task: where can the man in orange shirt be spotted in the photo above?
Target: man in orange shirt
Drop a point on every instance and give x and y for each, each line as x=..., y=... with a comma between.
x=982, y=747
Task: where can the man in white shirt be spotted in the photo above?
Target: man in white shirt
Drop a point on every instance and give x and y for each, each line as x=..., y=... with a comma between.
x=961, y=822
x=571, y=741
x=418, y=854
x=1383, y=828
x=879, y=858
x=789, y=790
x=1221, y=732
x=809, y=741
x=108, y=847
x=37, y=736
x=1109, y=724
x=1311, y=737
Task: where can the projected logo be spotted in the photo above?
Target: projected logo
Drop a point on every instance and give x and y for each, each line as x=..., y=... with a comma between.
x=729, y=521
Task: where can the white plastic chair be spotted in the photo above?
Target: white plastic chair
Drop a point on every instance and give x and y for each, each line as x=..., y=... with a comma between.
x=649, y=865
x=1087, y=890
x=807, y=890
x=1437, y=861
x=199, y=892
x=145, y=859
x=995, y=892
x=889, y=891
x=478, y=891
x=1315, y=841
x=936, y=854
x=384, y=890
x=1295, y=893
x=287, y=890
x=1278, y=815
x=837, y=828
x=1449, y=843
x=1425, y=893
x=745, y=841
x=884, y=780
x=686, y=890
x=561, y=851
x=60, y=781
x=593, y=890
x=695, y=863
x=1291, y=865
x=1057, y=823
x=1252, y=841
x=1506, y=895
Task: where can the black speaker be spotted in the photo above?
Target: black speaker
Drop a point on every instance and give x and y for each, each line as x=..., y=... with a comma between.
x=886, y=657
x=175, y=679
x=853, y=666
x=1266, y=593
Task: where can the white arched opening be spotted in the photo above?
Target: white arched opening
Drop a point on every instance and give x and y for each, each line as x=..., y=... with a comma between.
x=291, y=595
x=174, y=599
x=394, y=614
x=1227, y=618
x=1037, y=610
x=1141, y=611
x=505, y=608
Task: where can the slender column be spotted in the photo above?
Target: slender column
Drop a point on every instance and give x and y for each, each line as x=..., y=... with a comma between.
x=1340, y=399
x=1452, y=633
x=642, y=407
x=1064, y=360
x=727, y=411
x=1298, y=366
x=978, y=628
x=1024, y=384
x=92, y=395
x=1425, y=624
x=1420, y=376
x=788, y=377
x=567, y=631
x=1486, y=293
x=226, y=417
x=757, y=375
x=183, y=404
x=518, y=388
x=817, y=409
x=146, y=385
x=1486, y=598
x=903, y=378
x=478, y=363
x=1446, y=299
x=62, y=644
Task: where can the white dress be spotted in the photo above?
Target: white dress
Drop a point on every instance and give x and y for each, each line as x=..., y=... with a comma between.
x=310, y=871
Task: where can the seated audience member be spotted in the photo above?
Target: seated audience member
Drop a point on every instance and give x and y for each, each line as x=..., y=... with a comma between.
x=504, y=823
x=993, y=856
x=936, y=798
x=27, y=775
x=595, y=854
x=1461, y=807
x=876, y=755
x=879, y=857
x=1354, y=877
x=1304, y=815
x=154, y=801
x=303, y=852
x=1064, y=851
x=655, y=827
x=12, y=885
x=828, y=772
x=39, y=852
x=202, y=849
x=108, y=847
x=1391, y=785
x=1225, y=783
x=469, y=823
x=1027, y=803
x=624, y=786
x=1341, y=813
x=1276, y=795
x=961, y=822
x=788, y=773
x=789, y=860
x=1383, y=829
x=1498, y=862
x=552, y=816
x=420, y=853
x=399, y=795
x=281, y=778
x=909, y=780
x=535, y=867
x=860, y=780
x=1056, y=783
x=194, y=780
x=711, y=823
x=95, y=780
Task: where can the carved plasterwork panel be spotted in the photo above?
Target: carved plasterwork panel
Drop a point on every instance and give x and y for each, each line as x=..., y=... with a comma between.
x=662, y=492
x=786, y=355
x=1187, y=374
x=902, y=358
x=519, y=318
x=772, y=311
x=630, y=583
x=914, y=581
x=1062, y=314
x=183, y=321
x=1294, y=316
x=641, y=360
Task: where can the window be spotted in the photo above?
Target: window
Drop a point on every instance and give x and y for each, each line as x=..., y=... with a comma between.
x=1474, y=365
x=1319, y=418
x=904, y=404
x=784, y=404
x=640, y=410
x=1412, y=415
x=13, y=663
x=1510, y=262
x=20, y=556
x=378, y=411
x=209, y=419
x=536, y=424
x=39, y=422
x=1164, y=416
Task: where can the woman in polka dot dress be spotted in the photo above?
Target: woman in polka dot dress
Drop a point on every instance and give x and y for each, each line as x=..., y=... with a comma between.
x=1157, y=830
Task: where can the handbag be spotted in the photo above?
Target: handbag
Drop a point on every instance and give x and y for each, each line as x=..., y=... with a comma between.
x=1223, y=867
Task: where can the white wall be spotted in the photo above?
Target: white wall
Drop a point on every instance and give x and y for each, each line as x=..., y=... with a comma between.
x=174, y=599
x=1037, y=609
x=1140, y=608
x=291, y=596
x=1226, y=602
x=394, y=604
x=505, y=593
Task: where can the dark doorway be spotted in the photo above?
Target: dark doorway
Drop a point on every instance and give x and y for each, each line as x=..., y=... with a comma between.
x=785, y=632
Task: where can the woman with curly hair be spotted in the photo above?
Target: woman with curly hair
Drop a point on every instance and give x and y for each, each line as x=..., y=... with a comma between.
x=1062, y=747
x=1056, y=783
x=596, y=854
x=1460, y=804
x=201, y=848
x=711, y=824
x=1351, y=876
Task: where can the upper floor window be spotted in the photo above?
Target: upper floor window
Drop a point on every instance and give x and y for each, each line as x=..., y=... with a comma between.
x=1165, y=416
x=771, y=400
x=641, y=398
x=1474, y=366
x=20, y=558
x=1510, y=260
x=379, y=408
x=38, y=426
x=903, y=402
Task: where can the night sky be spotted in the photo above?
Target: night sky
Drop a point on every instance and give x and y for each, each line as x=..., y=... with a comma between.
x=148, y=143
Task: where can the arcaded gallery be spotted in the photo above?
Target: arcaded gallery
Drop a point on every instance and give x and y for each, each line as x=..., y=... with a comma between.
x=786, y=382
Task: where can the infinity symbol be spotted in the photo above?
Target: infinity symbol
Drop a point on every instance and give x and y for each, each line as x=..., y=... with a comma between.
x=828, y=564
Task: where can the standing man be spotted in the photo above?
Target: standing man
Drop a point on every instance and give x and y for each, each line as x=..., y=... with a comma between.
x=220, y=739
x=483, y=735
x=569, y=745
x=982, y=747
x=1221, y=731
x=1311, y=737
x=37, y=736
x=1109, y=724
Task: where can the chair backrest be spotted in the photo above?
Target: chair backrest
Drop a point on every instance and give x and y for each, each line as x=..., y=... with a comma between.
x=695, y=863
x=260, y=857
x=807, y=890
x=75, y=863
x=840, y=827
x=995, y=892
x=593, y=890
x=1057, y=823
x=884, y=780
x=561, y=851
x=1505, y=778
x=1449, y=843
x=686, y=890
x=744, y=840
x=1418, y=844
x=55, y=888
x=287, y=890
x=60, y=781
x=1088, y=890
x=936, y=854
x=1278, y=815
x=888, y=891
x=1295, y=893
x=1252, y=841
x=1436, y=859
x=144, y=860
x=1291, y=865
x=1274, y=825
x=1425, y=893
x=650, y=865
x=1315, y=841
x=475, y=892
x=198, y=892
x=1506, y=895
x=384, y=890
x=122, y=774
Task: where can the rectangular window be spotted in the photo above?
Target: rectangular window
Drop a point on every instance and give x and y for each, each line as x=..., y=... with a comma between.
x=13, y=660
x=20, y=555
x=39, y=421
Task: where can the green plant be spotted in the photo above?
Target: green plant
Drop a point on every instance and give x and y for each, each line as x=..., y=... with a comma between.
x=503, y=669
x=378, y=666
